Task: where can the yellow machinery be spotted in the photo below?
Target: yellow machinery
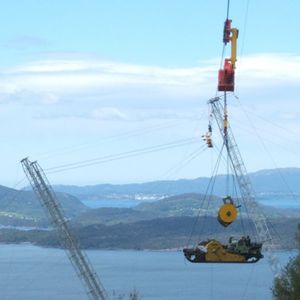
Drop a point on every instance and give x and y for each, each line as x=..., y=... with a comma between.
x=216, y=252
x=236, y=251
x=234, y=36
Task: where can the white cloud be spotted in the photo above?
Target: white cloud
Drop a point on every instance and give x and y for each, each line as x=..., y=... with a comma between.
x=64, y=76
x=81, y=73
x=107, y=90
x=55, y=103
x=271, y=69
x=108, y=113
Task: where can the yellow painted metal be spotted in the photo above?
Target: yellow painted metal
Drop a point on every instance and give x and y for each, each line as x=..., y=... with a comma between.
x=216, y=252
x=225, y=123
x=234, y=36
x=227, y=213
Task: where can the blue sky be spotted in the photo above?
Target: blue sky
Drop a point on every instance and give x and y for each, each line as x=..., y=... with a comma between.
x=76, y=74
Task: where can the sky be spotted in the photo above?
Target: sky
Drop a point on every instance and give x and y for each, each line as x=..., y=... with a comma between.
x=81, y=80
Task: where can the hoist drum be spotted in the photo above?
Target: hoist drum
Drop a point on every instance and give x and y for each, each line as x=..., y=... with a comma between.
x=227, y=214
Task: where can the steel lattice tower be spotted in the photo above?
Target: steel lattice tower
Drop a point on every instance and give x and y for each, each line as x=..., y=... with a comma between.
x=50, y=203
x=246, y=189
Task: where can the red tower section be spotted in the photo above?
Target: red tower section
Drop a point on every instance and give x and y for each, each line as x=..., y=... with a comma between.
x=226, y=77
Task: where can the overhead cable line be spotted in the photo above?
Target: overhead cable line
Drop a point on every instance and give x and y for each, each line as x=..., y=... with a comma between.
x=269, y=154
x=285, y=129
x=205, y=196
x=122, y=155
x=123, y=135
x=228, y=6
x=185, y=161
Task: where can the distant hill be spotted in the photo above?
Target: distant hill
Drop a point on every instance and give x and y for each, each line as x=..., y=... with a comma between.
x=18, y=207
x=175, y=206
x=186, y=205
x=274, y=181
x=165, y=233
x=163, y=224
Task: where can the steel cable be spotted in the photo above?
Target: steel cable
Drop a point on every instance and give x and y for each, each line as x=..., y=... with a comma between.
x=118, y=156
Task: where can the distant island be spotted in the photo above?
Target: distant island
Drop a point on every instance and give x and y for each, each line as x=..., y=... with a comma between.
x=161, y=221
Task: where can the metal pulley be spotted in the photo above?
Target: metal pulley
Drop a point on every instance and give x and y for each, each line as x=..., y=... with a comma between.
x=227, y=212
x=207, y=137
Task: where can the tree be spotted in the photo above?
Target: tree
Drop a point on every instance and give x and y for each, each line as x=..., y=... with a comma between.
x=287, y=286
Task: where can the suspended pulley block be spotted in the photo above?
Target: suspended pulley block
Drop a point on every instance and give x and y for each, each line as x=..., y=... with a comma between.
x=208, y=140
x=227, y=212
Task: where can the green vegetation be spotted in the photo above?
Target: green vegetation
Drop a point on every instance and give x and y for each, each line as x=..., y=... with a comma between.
x=22, y=208
x=287, y=286
x=156, y=234
x=176, y=206
x=186, y=205
x=162, y=224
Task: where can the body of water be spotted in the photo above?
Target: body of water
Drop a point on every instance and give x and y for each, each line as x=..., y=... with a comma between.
x=284, y=202
x=124, y=203
x=33, y=273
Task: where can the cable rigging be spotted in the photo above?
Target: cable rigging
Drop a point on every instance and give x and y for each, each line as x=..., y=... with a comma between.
x=121, y=155
x=237, y=196
x=118, y=137
x=240, y=199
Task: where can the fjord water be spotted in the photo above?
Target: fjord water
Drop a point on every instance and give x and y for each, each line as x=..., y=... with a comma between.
x=276, y=202
x=29, y=272
x=281, y=202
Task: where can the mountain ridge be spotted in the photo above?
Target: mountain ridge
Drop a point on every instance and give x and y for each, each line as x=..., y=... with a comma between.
x=267, y=181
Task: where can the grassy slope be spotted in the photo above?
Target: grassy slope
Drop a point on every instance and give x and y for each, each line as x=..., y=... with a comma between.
x=23, y=207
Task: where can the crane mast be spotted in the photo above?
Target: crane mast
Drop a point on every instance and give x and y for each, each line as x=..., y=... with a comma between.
x=243, y=250
x=244, y=183
x=50, y=203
